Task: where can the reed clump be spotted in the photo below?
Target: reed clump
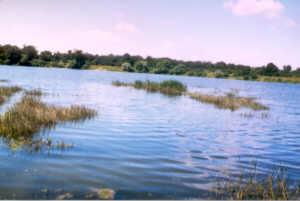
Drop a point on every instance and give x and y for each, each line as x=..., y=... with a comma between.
x=169, y=87
x=6, y=92
x=229, y=101
x=31, y=116
x=35, y=92
x=250, y=186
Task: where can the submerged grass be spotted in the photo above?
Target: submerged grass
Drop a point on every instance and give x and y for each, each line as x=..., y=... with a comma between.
x=30, y=116
x=35, y=92
x=169, y=87
x=7, y=92
x=251, y=186
x=229, y=101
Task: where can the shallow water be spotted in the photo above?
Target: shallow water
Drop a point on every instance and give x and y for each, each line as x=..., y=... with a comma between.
x=149, y=145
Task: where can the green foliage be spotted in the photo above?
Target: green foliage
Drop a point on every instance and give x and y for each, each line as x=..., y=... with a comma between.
x=218, y=74
x=28, y=55
x=179, y=69
x=127, y=67
x=141, y=66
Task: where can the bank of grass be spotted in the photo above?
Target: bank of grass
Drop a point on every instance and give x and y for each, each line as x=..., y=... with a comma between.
x=169, y=87
x=229, y=101
x=251, y=186
x=106, y=68
x=6, y=92
x=30, y=116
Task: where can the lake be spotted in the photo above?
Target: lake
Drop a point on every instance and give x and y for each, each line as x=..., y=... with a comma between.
x=149, y=145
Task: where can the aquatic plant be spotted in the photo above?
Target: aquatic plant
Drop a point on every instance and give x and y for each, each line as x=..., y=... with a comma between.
x=7, y=92
x=34, y=92
x=251, y=186
x=169, y=87
x=106, y=194
x=30, y=116
x=229, y=101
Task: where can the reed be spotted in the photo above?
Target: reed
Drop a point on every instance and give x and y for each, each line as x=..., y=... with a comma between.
x=169, y=87
x=31, y=116
x=7, y=92
x=229, y=101
x=251, y=186
x=35, y=92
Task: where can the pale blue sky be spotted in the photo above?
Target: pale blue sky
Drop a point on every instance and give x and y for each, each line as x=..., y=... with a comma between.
x=252, y=32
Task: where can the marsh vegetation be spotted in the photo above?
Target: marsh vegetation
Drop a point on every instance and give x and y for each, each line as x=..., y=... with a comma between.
x=169, y=87
x=249, y=185
x=23, y=121
x=229, y=101
x=172, y=87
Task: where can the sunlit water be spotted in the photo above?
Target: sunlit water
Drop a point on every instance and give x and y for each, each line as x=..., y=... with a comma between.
x=148, y=145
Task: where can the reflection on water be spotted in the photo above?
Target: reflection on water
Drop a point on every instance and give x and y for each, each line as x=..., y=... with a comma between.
x=147, y=145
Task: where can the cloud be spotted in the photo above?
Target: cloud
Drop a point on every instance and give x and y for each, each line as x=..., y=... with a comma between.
x=189, y=39
x=289, y=22
x=270, y=9
x=127, y=28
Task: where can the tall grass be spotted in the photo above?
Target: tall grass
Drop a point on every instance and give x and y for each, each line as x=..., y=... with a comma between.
x=7, y=92
x=229, y=101
x=30, y=116
x=169, y=87
x=251, y=186
x=34, y=92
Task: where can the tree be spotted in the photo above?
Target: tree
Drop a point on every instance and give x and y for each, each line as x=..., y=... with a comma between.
x=180, y=69
x=163, y=66
x=141, y=66
x=12, y=54
x=287, y=69
x=271, y=69
x=218, y=74
x=127, y=67
x=28, y=54
x=45, y=56
x=164, y=63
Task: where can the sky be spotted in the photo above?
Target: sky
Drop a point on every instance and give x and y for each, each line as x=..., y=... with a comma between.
x=249, y=32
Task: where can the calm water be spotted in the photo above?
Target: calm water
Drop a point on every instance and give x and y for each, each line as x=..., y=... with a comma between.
x=148, y=145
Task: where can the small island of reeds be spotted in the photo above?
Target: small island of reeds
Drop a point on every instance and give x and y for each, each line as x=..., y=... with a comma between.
x=30, y=116
x=172, y=87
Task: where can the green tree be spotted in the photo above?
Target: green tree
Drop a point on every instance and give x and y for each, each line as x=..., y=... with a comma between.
x=180, y=69
x=126, y=66
x=218, y=74
x=271, y=69
x=46, y=56
x=287, y=69
x=141, y=66
x=28, y=54
x=12, y=54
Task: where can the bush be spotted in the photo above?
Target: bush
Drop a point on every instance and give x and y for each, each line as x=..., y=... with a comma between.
x=218, y=74
x=180, y=69
x=141, y=66
x=127, y=67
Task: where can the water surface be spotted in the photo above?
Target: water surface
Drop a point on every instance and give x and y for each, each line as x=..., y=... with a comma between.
x=149, y=145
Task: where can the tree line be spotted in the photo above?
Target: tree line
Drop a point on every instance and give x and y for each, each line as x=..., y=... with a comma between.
x=77, y=59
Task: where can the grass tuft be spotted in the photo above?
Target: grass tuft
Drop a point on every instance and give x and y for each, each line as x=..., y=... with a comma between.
x=251, y=186
x=31, y=116
x=35, y=92
x=7, y=92
x=169, y=87
x=229, y=101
